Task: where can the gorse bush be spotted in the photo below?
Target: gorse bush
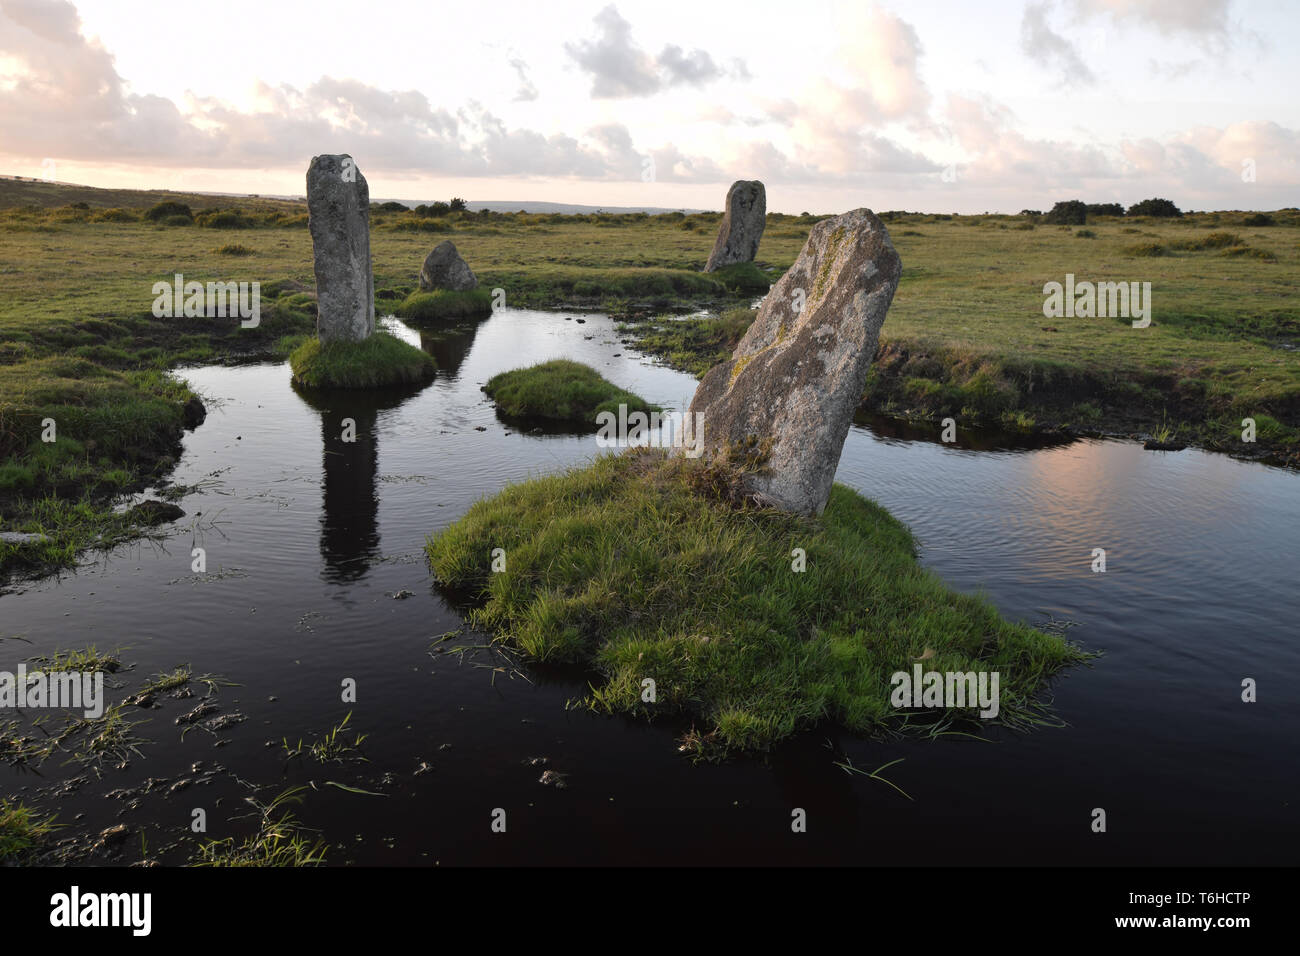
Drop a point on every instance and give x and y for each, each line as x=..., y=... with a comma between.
x=114, y=215
x=1071, y=212
x=1155, y=207
x=165, y=210
x=219, y=219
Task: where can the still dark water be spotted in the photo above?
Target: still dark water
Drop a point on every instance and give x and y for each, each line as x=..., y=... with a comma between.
x=308, y=539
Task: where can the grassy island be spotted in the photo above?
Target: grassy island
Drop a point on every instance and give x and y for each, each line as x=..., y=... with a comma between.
x=642, y=566
x=379, y=361
x=443, y=304
x=560, y=390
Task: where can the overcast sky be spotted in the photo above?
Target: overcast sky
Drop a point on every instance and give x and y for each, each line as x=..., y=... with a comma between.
x=940, y=107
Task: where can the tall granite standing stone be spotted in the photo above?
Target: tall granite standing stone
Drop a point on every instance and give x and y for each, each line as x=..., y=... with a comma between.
x=444, y=269
x=338, y=205
x=790, y=389
x=742, y=225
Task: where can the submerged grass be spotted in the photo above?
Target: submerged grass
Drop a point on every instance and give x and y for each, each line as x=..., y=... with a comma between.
x=278, y=841
x=381, y=360
x=626, y=567
x=561, y=390
x=22, y=830
x=333, y=747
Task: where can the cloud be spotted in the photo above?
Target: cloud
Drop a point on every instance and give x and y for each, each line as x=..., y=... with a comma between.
x=1048, y=48
x=620, y=69
x=1202, y=17
x=1211, y=159
x=695, y=68
x=998, y=152
x=61, y=97
x=527, y=92
x=835, y=122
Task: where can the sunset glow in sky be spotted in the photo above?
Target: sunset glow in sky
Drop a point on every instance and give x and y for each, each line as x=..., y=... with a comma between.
x=938, y=107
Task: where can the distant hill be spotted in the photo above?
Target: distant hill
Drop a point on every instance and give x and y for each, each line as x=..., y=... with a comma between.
x=26, y=191
x=568, y=208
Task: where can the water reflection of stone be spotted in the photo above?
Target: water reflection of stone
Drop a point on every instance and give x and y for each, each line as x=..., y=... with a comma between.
x=349, y=536
x=450, y=345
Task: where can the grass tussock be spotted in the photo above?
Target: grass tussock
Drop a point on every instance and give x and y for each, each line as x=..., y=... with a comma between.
x=561, y=390
x=379, y=361
x=279, y=840
x=626, y=567
x=22, y=831
x=445, y=304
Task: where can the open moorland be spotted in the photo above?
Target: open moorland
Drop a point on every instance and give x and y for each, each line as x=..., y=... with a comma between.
x=966, y=338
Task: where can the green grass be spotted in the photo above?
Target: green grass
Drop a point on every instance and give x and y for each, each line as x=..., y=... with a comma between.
x=279, y=840
x=381, y=360
x=692, y=345
x=561, y=390
x=87, y=659
x=333, y=747
x=631, y=567
x=444, y=304
x=970, y=299
x=744, y=278
x=22, y=830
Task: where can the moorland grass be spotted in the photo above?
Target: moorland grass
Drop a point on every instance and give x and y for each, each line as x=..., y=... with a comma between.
x=970, y=298
x=379, y=361
x=444, y=304
x=633, y=567
x=560, y=390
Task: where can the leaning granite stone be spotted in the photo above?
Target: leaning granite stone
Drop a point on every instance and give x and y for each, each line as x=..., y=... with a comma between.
x=742, y=225
x=785, y=399
x=338, y=205
x=444, y=269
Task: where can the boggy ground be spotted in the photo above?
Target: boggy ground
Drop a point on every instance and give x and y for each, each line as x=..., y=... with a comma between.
x=966, y=336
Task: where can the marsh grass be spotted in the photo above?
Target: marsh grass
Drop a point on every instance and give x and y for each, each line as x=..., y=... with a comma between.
x=279, y=840
x=333, y=747
x=625, y=568
x=22, y=831
x=87, y=659
x=378, y=361
x=560, y=390
x=692, y=345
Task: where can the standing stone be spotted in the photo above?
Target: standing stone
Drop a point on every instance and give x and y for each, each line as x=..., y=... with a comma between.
x=790, y=389
x=445, y=269
x=338, y=206
x=742, y=225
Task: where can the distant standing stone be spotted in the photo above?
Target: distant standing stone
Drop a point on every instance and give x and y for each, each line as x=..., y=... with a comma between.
x=742, y=225
x=791, y=387
x=445, y=269
x=338, y=205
